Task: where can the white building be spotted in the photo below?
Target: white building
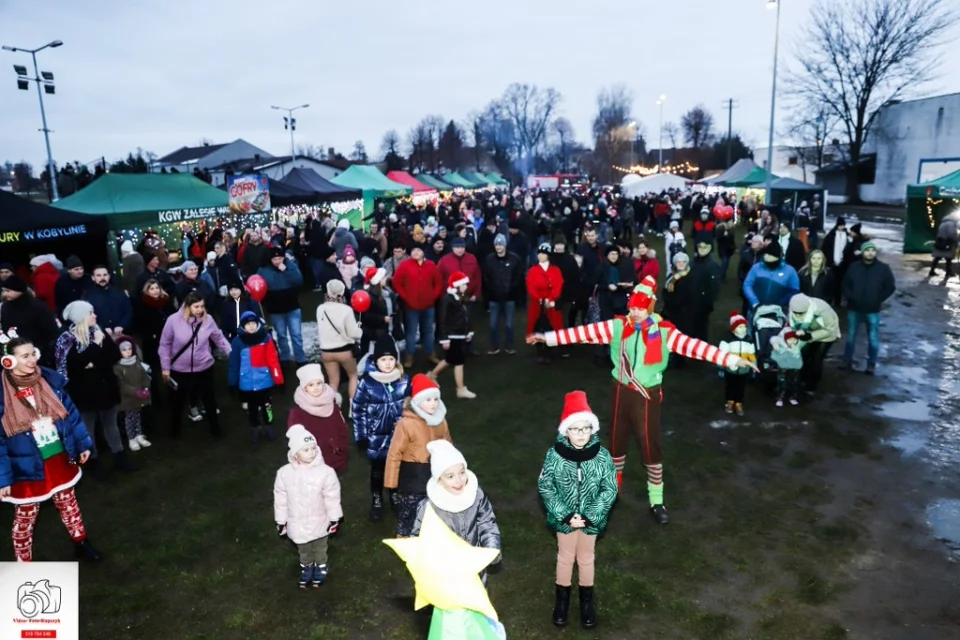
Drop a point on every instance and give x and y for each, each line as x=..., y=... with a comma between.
x=275, y=168
x=795, y=162
x=208, y=156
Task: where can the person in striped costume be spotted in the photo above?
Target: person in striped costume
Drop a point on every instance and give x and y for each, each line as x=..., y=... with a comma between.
x=640, y=345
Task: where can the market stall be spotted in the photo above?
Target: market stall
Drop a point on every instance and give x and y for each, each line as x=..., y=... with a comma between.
x=422, y=194
x=457, y=180
x=374, y=185
x=30, y=228
x=654, y=183
x=928, y=204
x=738, y=170
x=342, y=202
x=497, y=180
x=436, y=183
x=788, y=193
x=477, y=178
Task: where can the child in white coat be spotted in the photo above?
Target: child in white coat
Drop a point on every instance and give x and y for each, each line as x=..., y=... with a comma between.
x=306, y=504
x=675, y=243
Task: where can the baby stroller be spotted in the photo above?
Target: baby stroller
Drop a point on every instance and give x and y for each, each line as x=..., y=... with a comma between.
x=768, y=321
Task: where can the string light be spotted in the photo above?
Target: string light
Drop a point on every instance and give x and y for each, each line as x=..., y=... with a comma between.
x=682, y=168
x=172, y=232
x=931, y=203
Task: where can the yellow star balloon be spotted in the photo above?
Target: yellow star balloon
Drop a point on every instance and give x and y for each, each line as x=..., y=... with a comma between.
x=445, y=568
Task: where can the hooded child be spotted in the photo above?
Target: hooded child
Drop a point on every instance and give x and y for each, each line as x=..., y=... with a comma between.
x=408, y=460
x=134, y=381
x=453, y=332
x=377, y=406
x=237, y=303
x=306, y=504
x=254, y=371
x=789, y=359
x=317, y=408
x=735, y=378
x=578, y=486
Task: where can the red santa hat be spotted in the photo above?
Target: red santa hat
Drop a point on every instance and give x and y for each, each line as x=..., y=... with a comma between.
x=576, y=409
x=423, y=388
x=374, y=276
x=457, y=279
x=789, y=334
x=644, y=295
x=736, y=320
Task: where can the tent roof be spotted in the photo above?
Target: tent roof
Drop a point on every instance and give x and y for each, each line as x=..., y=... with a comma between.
x=431, y=181
x=312, y=182
x=948, y=185
x=476, y=177
x=756, y=176
x=24, y=217
x=739, y=169
x=789, y=184
x=132, y=199
x=496, y=178
x=367, y=178
x=655, y=183
x=457, y=180
x=403, y=177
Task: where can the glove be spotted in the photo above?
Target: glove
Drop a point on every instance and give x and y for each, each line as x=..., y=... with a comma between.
x=363, y=445
x=281, y=529
x=332, y=528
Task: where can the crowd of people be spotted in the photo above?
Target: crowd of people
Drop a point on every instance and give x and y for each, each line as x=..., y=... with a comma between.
x=581, y=266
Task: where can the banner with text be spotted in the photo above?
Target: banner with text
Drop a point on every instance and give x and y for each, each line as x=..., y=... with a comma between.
x=249, y=193
x=42, y=235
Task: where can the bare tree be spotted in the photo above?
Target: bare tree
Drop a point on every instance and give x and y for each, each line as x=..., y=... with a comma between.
x=359, y=152
x=306, y=150
x=612, y=131
x=697, y=127
x=530, y=109
x=390, y=148
x=858, y=56
x=473, y=125
x=419, y=140
x=499, y=135
x=672, y=131
x=562, y=131
x=809, y=133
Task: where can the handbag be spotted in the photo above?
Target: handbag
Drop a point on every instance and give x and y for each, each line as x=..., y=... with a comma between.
x=593, y=308
x=354, y=346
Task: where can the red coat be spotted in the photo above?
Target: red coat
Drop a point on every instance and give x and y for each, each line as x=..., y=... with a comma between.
x=44, y=281
x=332, y=435
x=544, y=285
x=648, y=267
x=418, y=285
x=467, y=264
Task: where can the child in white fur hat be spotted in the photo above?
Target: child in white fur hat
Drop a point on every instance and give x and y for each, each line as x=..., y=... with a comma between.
x=306, y=504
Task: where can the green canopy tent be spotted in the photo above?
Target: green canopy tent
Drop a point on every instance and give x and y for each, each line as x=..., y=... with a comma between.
x=457, y=180
x=928, y=204
x=477, y=178
x=375, y=186
x=436, y=183
x=497, y=180
x=753, y=178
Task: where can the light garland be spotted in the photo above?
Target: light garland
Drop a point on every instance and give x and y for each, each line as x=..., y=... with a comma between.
x=684, y=167
x=172, y=232
x=931, y=203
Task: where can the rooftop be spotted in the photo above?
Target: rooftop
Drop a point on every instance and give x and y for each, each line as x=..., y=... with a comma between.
x=187, y=154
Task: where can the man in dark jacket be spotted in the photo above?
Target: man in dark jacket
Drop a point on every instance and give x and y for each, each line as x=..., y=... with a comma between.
x=153, y=271
x=282, y=306
x=705, y=276
x=31, y=317
x=518, y=242
x=503, y=274
x=255, y=255
x=112, y=306
x=71, y=285
x=867, y=284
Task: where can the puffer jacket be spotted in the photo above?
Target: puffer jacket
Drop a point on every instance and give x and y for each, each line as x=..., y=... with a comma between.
x=408, y=460
x=377, y=406
x=819, y=320
x=469, y=515
x=771, y=285
x=132, y=378
x=785, y=356
x=254, y=362
x=306, y=497
x=453, y=322
x=578, y=481
x=20, y=459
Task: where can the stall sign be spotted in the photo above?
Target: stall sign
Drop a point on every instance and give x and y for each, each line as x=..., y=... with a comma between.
x=249, y=193
x=40, y=235
x=181, y=215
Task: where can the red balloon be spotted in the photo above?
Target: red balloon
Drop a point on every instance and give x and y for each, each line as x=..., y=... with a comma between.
x=360, y=301
x=257, y=287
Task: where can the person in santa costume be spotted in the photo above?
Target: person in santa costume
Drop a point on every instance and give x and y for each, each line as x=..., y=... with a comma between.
x=43, y=442
x=453, y=332
x=640, y=345
x=544, y=286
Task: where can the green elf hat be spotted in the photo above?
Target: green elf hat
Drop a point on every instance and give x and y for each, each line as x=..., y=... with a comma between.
x=644, y=295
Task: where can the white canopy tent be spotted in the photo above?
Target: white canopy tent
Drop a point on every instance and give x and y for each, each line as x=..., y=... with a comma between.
x=629, y=179
x=654, y=184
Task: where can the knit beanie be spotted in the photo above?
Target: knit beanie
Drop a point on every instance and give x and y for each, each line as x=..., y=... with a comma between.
x=310, y=372
x=77, y=311
x=297, y=438
x=384, y=346
x=737, y=320
x=211, y=256
x=336, y=288
x=799, y=303
x=788, y=334
x=773, y=249
x=126, y=247
x=458, y=242
x=72, y=262
x=869, y=244
x=343, y=223
x=124, y=339
x=187, y=265
x=500, y=240
x=443, y=455
x=14, y=283
x=680, y=256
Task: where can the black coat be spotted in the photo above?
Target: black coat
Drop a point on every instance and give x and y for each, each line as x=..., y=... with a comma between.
x=795, y=256
x=571, y=274
x=824, y=288
x=679, y=304
x=148, y=321
x=68, y=290
x=705, y=276
x=503, y=278
x=453, y=322
x=94, y=388
x=867, y=285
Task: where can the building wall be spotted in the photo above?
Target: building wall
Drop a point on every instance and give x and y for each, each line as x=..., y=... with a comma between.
x=906, y=135
x=324, y=170
x=788, y=163
x=237, y=150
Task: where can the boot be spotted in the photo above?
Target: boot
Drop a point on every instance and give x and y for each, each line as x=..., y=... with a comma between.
x=319, y=575
x=408, y=362
x=306, y=575
x=728, y=407
x=561, y=607
x=83, y=550
x=738, y=407
x=659, y=513
x=122, y=463
x=376, y=508
x=588, y=613
x=465, y=394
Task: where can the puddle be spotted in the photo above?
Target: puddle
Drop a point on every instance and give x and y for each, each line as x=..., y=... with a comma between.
x=909, y=441
x=914, y=410
x=909, y=375
x=943, y=516
x=926, y=348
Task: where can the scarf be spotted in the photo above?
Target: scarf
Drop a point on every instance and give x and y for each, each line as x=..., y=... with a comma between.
x=65, y=344
x=156, y=303
x=18, y=414
x=320, y=406
x=128, y=362
x=386, y=378
x=434, y=420
x=446, y=501
x=677, y=275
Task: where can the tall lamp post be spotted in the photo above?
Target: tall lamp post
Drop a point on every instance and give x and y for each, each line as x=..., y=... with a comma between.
x=23, y=82
x=289, y=122
x=772, y=4
x=660, y=102
x=633, y=148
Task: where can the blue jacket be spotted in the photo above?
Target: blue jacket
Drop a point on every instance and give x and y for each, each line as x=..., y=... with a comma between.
x=112, y=307
x=254, y=362
x=376, y=408
x=20, y=459
x=766, y=285
x=282, y=287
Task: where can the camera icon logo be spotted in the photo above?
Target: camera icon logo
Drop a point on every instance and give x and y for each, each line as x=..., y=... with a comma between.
x=40, y=597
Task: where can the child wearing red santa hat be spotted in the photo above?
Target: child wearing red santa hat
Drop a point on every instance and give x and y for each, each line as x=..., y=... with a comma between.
x=735, y=378
x=453, y=332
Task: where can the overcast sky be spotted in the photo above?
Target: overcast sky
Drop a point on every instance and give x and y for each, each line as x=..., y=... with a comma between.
x=160, y=75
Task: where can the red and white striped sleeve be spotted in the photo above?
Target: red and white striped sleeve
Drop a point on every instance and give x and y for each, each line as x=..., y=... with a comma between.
x=689, y=347
x=596, y=333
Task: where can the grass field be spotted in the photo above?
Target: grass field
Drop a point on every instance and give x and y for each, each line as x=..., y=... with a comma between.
x=191, y=551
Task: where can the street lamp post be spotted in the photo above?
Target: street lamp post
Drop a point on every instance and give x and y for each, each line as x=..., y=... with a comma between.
x=43, y=114
x=633, y=148
x=660, y=102
x=772, y=4
x=290, y=123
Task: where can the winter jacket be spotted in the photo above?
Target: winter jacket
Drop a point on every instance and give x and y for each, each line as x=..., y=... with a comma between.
x=408, y=461
x=502, y=277
x=336, y=326
x=726, y=243
x=578, y=481
x=306, y=498
x=544, y=286
x=771, y=284
x=111, y=305
x=254, y=362
x=254, y=256
x=945, y=244
x=34, y=320
x=680, y=301
x=867, y=285
x=647, y=267
x=453, y=323
x=149, y=317
x=785, y=356
x=341, y=239
x=469, y=515
x=377, y=406
x=225, y=271
x=793, y=253
x=705, y=275
x=20, y=458
x=331, y=433
x=824, y=287
x=740, y=347
x=570, y=271
x=820, y=321
x=197, y=336
x=94, y=388
x=163, y=279
x=282, y=287
x=44, y=284
x=230, y=312
x=68, y=290
x=418, y=285
x=467, y=263
x=132, y=378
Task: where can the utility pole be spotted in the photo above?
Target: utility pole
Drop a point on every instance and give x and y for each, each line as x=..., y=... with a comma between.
x=289, y=122
x=730, y=107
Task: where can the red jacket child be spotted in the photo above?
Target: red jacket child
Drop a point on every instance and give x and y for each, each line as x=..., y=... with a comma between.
x=543, y=288
x=418, y=282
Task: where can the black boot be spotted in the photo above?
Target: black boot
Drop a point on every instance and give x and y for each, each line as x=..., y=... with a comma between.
x=122, y=463
x=376, y=507
x=659, y=513
x=561, y=607
x=83, y=550
x=588, y=613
